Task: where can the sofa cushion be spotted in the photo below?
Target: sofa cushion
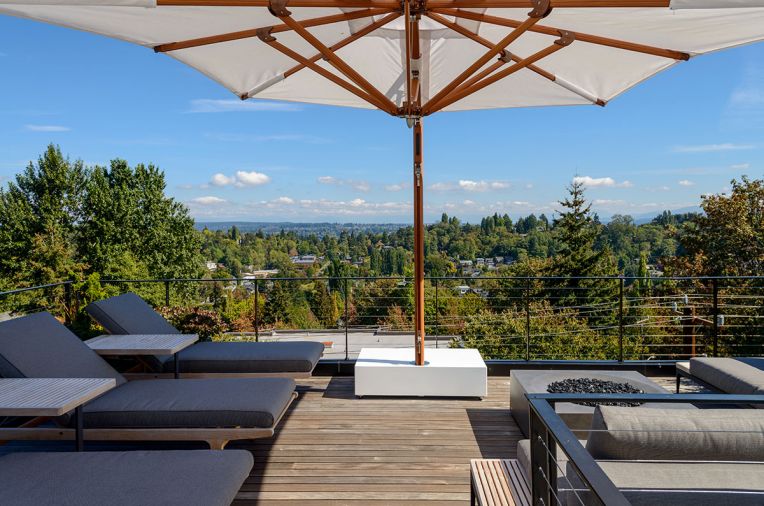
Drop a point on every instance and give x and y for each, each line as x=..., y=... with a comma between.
x=228, y=402
x=128, y=314
x=39, y=346
x=729, y=375
x=627, y=433
x=248, y=357
x=676, y=483
x=169, y=478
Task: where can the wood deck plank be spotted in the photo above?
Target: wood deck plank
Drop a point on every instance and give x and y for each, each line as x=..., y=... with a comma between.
x=335, y=449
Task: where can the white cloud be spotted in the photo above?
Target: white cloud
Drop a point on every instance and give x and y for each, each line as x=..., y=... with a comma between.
x=220, y=179
x=46, y=128
x=686, y=182
x=253, y=178
x=481, y=186
x=207, y=105
x=208, y=200
x=601, y=182
x=395, y=187
x=740, y=166
x=608, y=202
x=712, y=148
x=240, y=179
x=469, y=185
x=358, y=185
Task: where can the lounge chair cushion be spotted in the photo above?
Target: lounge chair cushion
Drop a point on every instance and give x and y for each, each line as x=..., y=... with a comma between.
x=628, y=433
x=729, y=375
x=128, y=314
x=676, y=483
x=228, y=402
x=39, y=346
x=169, y=478
x=248, y=357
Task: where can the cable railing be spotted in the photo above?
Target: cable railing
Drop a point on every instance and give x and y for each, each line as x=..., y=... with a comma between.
x=506, y=318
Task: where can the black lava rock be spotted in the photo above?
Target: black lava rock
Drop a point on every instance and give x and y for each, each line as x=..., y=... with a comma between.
x=594, y=386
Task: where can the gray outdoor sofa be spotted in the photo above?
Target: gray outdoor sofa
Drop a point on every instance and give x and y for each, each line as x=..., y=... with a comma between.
x=743, y=376
x=147, y=478
x=212, y=410
x=669, y=456
x=129, y=314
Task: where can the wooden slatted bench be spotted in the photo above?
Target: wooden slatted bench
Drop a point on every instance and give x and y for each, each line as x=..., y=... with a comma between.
x=498, y=482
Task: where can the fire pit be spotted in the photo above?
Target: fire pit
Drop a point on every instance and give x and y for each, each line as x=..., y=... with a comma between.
x=594, y=386
x=577, y=416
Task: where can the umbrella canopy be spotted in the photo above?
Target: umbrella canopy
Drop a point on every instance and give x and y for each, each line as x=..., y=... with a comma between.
x=411, y=58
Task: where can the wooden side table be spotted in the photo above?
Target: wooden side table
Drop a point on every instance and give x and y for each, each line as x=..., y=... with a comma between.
x=51, y=397
x=143, y=344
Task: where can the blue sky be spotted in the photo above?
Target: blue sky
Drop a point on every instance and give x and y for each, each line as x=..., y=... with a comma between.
x=684, y=133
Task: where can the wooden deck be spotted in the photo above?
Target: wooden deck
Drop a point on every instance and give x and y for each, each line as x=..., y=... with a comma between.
x=335, y=449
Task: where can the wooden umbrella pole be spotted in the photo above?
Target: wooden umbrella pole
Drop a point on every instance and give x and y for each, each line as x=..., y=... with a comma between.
x=418, y=246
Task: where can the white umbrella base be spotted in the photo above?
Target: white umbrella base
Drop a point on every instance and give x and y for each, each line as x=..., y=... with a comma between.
x=446, y=373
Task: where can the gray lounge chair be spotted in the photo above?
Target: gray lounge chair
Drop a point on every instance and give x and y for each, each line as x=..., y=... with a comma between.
x=166, y=478
x=743, y=376
x=129, y=314
x=211, y=410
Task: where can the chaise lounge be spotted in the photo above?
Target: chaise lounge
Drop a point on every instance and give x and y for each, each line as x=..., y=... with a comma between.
x=166, y=478
x=742, y=376
x=212, y=410
x=129, y=314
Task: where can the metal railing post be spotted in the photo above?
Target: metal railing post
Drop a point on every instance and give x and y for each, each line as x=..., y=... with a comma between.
x=437, y=321
x=715, y=310
x=167, y=293
x=257, y=310
x=620, y=318
x=527, y=319
x=347, y=300
x=68, y=312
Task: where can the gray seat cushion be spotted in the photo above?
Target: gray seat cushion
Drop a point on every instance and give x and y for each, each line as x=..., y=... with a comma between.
x=229, y=402
x=626, y=433
x=128, y=314
x=167, y=478
x=729, y=375
x=247, y=357
x=677, y=483
x=39, y=346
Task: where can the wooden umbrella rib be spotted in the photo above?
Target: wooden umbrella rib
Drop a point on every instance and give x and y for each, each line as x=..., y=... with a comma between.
x=344, y=42
x=245, y=34
x=340, y=4
x=391, y=4
x=564, y=41
x=583, y=37
x=324, y=73
x=502, y=60
x=339, y=64
x=492, y=52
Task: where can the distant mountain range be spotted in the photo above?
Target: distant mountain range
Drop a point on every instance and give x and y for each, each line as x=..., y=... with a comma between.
x=319, y=229
x=336, y=229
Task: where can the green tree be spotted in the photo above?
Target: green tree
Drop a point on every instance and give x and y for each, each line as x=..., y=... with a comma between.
x=323, y=305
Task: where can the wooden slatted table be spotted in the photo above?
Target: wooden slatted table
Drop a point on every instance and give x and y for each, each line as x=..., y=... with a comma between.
x=143, y=344
x=498, y=482
x=51, y=397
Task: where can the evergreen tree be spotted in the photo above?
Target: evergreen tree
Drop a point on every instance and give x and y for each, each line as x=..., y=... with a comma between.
x=277, y=304
x=577, y=258
x=323, y=305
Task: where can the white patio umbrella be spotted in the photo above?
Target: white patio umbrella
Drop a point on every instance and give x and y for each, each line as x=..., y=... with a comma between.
x=412, y=58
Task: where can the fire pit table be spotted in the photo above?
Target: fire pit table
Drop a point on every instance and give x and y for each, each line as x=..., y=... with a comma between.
x=576, y=416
